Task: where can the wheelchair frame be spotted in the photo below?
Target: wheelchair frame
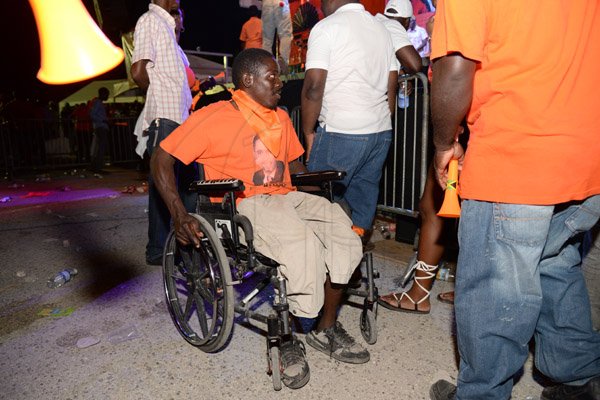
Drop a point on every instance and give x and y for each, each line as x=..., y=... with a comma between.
x=198, y=282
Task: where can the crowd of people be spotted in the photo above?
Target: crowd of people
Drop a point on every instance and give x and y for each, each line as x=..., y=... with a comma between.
x=36, y=133
x=529, y=180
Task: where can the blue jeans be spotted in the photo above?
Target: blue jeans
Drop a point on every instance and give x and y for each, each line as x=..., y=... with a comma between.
x=362, y=157
x=159, y=219
x=519, y=276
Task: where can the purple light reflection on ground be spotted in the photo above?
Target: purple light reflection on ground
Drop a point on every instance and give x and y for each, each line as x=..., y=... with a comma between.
x=55, y=196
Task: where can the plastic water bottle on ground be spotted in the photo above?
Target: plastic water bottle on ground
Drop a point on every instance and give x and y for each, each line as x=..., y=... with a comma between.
x=61, y=277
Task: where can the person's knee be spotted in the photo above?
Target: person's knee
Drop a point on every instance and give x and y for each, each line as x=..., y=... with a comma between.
x=427, y=211
x=553, y=370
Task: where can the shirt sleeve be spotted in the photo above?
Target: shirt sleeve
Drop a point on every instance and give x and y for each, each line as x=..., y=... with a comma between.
x=295, y=149
x=190, y=140
x=319, y=49
x=460, y=27
x=142, y=41
x=244, y=33
x=399, y=35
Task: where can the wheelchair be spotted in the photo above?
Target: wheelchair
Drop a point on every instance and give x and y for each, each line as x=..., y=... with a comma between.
x=199, y=282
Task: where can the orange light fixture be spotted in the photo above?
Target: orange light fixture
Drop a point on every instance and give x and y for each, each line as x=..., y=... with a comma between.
x=73, y=47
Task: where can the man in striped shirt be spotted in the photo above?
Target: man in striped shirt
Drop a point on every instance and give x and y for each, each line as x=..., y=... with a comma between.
x=157, y=66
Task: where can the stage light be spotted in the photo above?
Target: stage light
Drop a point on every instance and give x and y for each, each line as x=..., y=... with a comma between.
x=73, y=48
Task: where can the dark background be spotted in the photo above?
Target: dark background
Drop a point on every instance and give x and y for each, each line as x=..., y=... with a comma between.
x=212, y=25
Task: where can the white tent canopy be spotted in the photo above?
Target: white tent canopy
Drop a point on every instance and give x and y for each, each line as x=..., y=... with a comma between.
x=124, y=91
x=119, y=92
x=203, y=67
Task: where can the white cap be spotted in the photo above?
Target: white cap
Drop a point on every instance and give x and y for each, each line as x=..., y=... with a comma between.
x=399, y=8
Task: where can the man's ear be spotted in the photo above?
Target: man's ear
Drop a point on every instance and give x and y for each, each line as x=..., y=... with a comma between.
x=247, y=80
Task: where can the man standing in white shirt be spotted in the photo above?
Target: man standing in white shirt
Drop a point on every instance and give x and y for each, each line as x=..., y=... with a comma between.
x=420, y=39
x=396, y=18
x=349, y=89
x=157, y=66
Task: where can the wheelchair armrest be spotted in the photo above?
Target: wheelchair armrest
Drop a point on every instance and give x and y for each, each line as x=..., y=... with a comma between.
x=317, y=177
x=217, y=185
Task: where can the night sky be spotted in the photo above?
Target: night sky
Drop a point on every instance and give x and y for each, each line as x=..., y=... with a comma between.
x=214, y=25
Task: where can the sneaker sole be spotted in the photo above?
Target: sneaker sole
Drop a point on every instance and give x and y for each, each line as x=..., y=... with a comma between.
x=297, y=385
x=317, y=346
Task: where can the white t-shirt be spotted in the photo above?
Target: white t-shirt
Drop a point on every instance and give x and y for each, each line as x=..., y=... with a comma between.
x=357, y=52
x=399, y=35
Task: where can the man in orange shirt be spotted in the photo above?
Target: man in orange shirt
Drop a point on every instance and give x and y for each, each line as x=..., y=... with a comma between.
x=310, y=237
x=251, y=35
x=530, y=184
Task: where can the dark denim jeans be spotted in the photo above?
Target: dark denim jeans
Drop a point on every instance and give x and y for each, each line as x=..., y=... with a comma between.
x=98, y=148
x=362, y=157
x=519, y=276
x=159, y=219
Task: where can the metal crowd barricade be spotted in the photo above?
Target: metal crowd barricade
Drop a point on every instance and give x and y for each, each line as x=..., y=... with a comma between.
x=405, y=170
x=39, y=144
x=296, y=117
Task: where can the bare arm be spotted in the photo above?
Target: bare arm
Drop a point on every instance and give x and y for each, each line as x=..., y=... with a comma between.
x=451, y=95
x=312, y=100
x=392, y=90
x=296, y=167
x=140, y=74
x=186, y=227
x=409, y=59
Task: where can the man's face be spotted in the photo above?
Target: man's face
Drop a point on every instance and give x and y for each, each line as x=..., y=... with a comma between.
x=167, y=5
x=263, y=158
x=265, y=86
x=173, y=5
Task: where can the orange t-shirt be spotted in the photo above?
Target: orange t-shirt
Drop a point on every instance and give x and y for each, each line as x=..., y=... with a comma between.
x=252, y=33
x=534, y=118
x=219, y=137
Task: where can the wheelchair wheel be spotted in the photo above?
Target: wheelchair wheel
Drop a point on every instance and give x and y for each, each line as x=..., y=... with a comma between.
x=197, y=284
x=275, y=360
x=368, y=326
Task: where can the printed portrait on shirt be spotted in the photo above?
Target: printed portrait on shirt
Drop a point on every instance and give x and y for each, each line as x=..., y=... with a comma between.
x=269, y=170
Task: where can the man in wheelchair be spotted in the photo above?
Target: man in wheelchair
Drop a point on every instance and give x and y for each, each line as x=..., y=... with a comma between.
x=249, y=138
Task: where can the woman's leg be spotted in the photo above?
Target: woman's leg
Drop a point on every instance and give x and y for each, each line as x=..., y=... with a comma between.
x=430, y=251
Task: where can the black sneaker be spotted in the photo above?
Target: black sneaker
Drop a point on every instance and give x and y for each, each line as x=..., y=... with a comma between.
x=442, y=390
x=589, y=391
x=338, y=343
x=293, y=360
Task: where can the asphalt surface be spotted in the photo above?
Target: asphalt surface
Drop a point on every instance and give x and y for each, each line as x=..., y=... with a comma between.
x=115, y=305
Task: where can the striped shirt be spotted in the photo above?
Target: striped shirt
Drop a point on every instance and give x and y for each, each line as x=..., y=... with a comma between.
x=168, y=94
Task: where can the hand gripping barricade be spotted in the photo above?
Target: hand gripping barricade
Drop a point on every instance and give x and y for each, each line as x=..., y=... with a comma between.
x=199, y=282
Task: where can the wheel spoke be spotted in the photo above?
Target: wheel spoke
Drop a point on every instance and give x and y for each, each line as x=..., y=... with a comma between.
x=201, y=313
x=187, y=264
x=197, y=283
x=203, y=291
x=188, y=308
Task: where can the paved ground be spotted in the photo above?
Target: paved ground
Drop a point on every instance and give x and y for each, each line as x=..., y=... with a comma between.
x=117, y=300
